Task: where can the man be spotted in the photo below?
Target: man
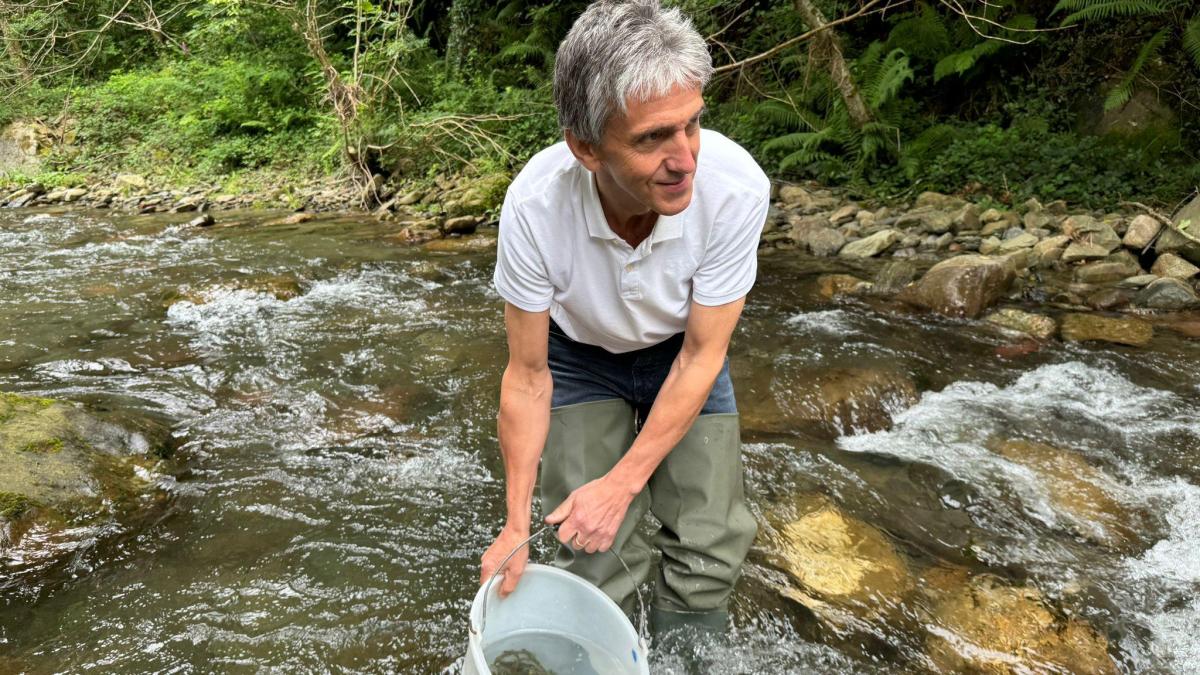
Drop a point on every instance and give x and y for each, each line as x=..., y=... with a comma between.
x=624, y=259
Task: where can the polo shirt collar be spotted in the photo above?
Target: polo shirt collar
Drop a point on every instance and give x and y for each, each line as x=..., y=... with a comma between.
x=665, y=228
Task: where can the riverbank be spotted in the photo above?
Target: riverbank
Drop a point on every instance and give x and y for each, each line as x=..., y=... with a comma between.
x=1135, y=260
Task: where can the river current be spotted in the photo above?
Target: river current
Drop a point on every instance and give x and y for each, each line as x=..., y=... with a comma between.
x=343, y=475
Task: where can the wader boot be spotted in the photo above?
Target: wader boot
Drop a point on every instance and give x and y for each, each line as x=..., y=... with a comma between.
x=697, y=493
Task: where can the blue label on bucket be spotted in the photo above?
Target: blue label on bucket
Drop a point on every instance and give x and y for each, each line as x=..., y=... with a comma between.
x=634, y=653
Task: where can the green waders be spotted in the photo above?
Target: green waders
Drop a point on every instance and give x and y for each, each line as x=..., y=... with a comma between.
x=696, y=493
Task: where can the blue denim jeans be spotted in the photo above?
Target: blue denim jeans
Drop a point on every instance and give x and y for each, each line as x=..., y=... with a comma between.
x=583, y=373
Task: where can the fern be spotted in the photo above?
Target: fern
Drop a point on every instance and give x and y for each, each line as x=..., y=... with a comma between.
x=888, y=78
x=1121, y=93
x=963, y=61
x=1191, y=39
x=922, y=34
x=1099, y=10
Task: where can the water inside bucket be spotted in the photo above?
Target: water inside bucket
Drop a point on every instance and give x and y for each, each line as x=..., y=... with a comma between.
x=548, y=653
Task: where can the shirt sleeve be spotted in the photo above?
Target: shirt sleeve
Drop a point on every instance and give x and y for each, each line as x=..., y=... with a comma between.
x=521, y=276
x=730, y=261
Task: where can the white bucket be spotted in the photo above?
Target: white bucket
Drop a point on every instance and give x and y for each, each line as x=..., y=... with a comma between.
x=550, y=607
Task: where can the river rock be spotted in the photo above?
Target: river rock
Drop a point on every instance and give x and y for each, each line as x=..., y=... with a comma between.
x=838, y=563
x=1172, y=241
x=1141, y=232
x=1138, y=281
x=202, y=220
x=1076, y=489
x=1109, y=299
x=461, y=224
x=962, y=286
x=1092, y=327
x=895, y=276
x=294, y=219
x=1077, y=252
x=1037, y=220
x=1088, y=230
x=130, y=181
x=869, y=247
x=1167, y=294
x=825, y=243
x=1102, y=272
x=995, y=227
x=967, y=218
x=927, y=220
x=833, y=402
x=830, y=286
x=794, y=196
x=63, y=473
x=464, y=244
x=1020, y=241
x=989, y=245
x=1171, y=265
x=1037, y=325
x=992, y=628
x=937, y=200
x=844, y=214
x=1050, y=250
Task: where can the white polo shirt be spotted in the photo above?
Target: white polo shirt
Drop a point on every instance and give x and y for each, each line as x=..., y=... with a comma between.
x=557, y=252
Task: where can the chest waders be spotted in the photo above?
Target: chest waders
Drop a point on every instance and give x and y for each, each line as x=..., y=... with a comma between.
x=696, y=493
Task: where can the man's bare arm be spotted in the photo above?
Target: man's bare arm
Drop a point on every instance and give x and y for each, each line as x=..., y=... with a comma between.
x=524, y=421
x=596, y=510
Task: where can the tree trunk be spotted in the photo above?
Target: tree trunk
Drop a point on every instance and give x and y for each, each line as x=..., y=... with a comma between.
x=830, y=48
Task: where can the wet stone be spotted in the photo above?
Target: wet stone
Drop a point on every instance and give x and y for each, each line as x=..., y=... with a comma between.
x=962, y=286
x=1037, y=325
x=1167, y=294
x=1092, y=327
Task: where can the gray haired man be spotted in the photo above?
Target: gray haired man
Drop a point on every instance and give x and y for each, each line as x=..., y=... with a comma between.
x=624, y=260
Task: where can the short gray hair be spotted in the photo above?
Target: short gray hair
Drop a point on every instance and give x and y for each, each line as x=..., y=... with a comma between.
x=624, y=49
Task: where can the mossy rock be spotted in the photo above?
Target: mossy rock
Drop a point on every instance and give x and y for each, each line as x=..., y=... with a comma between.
x=62, y=466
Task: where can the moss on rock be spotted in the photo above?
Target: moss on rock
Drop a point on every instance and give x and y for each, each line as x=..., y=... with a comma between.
x=13, y=505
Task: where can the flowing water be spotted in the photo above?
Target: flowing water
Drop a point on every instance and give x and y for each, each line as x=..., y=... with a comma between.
x=343, y=475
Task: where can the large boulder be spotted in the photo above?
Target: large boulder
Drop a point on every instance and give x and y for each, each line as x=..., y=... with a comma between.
x=962, y=286
x=1183, y=237
x=1167, y=294
x=1096, y=328
x=66, y=476
x=836, y=564
x=990, y=627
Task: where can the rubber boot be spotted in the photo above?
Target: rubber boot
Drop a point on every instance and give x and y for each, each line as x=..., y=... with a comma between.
x=691, y=636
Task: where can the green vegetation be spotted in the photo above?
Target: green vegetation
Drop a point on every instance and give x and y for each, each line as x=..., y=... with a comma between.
x=1093, y=101
x=13, y=505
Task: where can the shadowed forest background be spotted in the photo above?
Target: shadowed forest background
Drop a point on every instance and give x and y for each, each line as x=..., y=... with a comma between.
x=1091, y=101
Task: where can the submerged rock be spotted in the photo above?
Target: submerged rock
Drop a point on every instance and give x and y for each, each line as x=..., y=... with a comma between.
x=839, y=401
x=987, y=626
x=62, y=469
x=830, y=286
x=1076, y=489
x=1037, y=325
x=1091, y=327
x=962, y=286
x=838, y=563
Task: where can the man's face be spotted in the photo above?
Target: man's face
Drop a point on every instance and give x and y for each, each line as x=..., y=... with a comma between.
x=646, y=160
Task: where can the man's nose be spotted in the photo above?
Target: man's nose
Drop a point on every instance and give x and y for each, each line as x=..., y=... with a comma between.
x=679, y=154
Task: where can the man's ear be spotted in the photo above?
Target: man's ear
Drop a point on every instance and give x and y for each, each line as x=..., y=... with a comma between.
x=585, y=152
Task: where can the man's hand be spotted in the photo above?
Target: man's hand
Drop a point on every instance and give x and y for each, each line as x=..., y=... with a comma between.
x=591, y=515
x=506, y=541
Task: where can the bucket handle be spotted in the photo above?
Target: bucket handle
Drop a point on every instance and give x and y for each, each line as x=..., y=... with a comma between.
x=643, y=641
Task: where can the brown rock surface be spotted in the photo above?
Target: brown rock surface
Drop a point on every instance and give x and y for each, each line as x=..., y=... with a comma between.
x=962, y=286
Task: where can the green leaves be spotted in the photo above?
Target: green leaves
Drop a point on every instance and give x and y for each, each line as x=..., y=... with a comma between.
x=1099, y=10
x=1191, y=39
x=1123, y=91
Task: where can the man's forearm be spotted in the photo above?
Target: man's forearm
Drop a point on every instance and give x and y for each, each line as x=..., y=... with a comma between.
x=523, y=424
x=676, y=407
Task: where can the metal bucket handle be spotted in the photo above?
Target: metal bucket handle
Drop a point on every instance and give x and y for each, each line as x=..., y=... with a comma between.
x=643, y=641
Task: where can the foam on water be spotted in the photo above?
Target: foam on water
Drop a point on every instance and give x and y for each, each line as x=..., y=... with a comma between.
x=829, y=322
